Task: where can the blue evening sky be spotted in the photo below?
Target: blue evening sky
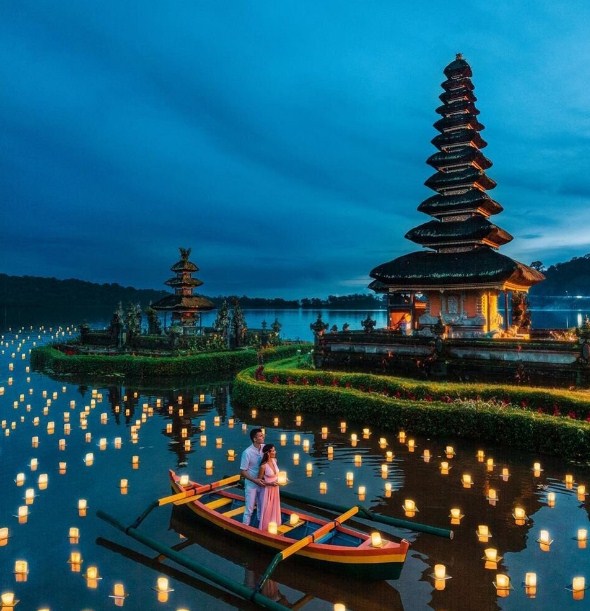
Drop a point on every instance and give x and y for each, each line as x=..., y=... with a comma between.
x=284, y=141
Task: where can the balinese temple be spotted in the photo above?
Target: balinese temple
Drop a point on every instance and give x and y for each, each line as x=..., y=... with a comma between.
x=185, y=307
x=460, y=280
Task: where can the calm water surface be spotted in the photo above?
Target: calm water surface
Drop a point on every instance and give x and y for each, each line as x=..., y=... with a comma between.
x=43, y=540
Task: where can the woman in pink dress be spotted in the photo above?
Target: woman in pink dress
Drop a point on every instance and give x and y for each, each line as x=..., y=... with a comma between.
x=270, y=510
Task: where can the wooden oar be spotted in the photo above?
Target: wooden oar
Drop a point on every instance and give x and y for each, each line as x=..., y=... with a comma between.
x=298, y=545
x=185, y=494
x=173, y=498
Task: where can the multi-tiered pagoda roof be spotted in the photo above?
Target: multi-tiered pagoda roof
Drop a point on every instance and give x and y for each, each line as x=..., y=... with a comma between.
x=183, y=304
x=463, y=243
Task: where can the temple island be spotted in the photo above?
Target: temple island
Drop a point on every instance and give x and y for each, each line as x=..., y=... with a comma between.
x=458, y=308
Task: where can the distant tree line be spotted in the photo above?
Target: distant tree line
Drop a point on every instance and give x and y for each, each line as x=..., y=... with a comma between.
x=563, y=279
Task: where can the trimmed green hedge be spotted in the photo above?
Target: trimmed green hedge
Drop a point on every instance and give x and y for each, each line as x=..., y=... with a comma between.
x=507, y=425
x=47, y=358
x=554, y=402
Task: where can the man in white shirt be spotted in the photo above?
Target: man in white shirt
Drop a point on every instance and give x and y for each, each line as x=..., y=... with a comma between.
x=249, y=467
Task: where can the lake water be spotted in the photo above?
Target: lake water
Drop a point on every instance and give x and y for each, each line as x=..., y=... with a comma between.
x=30, y=402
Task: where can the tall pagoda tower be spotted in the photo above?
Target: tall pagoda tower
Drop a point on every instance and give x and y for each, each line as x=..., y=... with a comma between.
x=184, y=306
x=461, y=275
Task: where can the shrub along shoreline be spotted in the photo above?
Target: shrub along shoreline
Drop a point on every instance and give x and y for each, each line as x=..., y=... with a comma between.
x=522, y=417
x=51, y=360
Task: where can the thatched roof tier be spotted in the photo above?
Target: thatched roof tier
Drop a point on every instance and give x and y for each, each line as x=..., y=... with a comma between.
x=471, y=200
x=467, y=178
x=452, y=96
x=474, y=230
x=454, y=84
x=180, y=282
x=459, y=156
x=184, y=303
x=184, y=265
x=459, y=137
x=458, y=121
x=482, y=267
x=458, y=68
x=458, y=105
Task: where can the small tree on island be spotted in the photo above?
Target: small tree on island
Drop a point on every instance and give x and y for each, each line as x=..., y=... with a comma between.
x=238, y=326
x=222, y=322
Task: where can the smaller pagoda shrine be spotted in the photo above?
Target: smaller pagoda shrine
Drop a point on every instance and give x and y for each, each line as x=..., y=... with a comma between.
x=461, y=283
x=185, y=307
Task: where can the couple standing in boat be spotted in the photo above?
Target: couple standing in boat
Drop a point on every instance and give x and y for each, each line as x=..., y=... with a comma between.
x=260, y=470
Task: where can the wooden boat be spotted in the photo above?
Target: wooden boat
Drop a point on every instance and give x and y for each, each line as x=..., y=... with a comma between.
x=322, y=541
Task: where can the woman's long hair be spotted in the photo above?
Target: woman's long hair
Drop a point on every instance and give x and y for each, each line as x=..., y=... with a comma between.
x=266, y=453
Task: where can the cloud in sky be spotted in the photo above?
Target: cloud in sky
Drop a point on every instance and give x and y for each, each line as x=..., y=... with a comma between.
x=284, y=142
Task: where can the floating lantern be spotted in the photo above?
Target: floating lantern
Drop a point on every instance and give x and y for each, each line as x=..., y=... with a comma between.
x=581, y=492
x=330, y=450
x=569, y=480
x=283, y=439
x=4, y=534
x=578, y=588
x=35, y=442
x=296, y=458
x=339, y=607
x=123, y=485
x=298, y=420
x=75, y=558
x=349, y=478
x=82, y=507
x=67, y=428
x=411, y=445
x=230, y=423
x=519, y=516
x=480, y=455
x=231, y=454
x=74, y=535
x=384, y=470
x=203, y=440
x=297, y=439
x=102, y=443
x=163, y=589
x=483, y=533
x=389, y=456
x=530, y=584
x=544, y=541
x=7, y=600
x=362, y=490
x=466, y=480
x=119, y=593
x=537, y=469
x=104, y=418
x=492, y=496
x=444, y=468
x=324, y=432
x=358, y=460
x=376, y=540
x=282, y=478
x=505, y=474
x=354, y=438
x=455, y=515
x=272, y=528
x=135, y=461
x=582, y=537
x=306, y=445
x=89, y=459
x=366, y=433
x=450, y=451
x=184, y=480
x=491, y=556
x=21, y=570
x=502, y=585
x=209, y=464
x=388, y=489
x=294, y=519
x=23, y=514
x=343, y=427
x=20, y=479
x=382, y=442
x=323, y=487
x=551, y=499
x=309, y=469
x=43, y=481
x=203, y=425
x=402, y=437
x=34, y=464
x=426, y=455
x=410, y=508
